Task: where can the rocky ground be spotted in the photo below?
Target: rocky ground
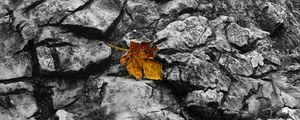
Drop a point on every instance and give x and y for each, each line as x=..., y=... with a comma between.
x=222, y=59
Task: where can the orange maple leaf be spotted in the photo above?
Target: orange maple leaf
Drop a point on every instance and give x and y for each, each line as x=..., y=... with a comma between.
x=140, y=61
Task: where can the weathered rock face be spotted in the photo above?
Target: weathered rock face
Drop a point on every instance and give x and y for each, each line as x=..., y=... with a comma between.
x=12, y=66
x=115, y=98
x=222, y=59
x=186, y=34
x=76, y=55
x=16, y=101
x=232, y=61
x=137, y=99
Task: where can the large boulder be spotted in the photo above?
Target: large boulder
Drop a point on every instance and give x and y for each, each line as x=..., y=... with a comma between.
x=13, y=65
x=116, y=98
x=77, y=54
x=222, y=59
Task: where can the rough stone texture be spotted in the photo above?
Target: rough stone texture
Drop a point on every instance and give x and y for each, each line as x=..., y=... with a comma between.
x=64, y=115
x=45, y=58
x=72, y=58
x=115, y=98
x=199, y=97
x=243, y=36
x=141, y=101
x=186, y=34
x=241, y=55
x=189, y=70
x=175, y=6
x=12, y=66
x=10, y=88
x=25, y=104
x=24, y=107
x=222, y=59
x=220, y=41
x=142, y=12
x=15, y=67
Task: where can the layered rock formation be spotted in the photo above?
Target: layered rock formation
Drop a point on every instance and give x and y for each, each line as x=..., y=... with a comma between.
x=222, y=59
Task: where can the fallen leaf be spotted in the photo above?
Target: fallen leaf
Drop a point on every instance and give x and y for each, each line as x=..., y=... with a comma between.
x=280, y=92
x=140, y=61
x=152, y=69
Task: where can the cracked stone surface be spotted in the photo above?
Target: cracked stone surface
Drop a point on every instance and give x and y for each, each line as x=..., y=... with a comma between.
x=243, y=36
x=24, y=107
x=73, y=57
x=141, y=100
x=183, y=35
x=116, y=98
x=222, y=59
x=12, y=66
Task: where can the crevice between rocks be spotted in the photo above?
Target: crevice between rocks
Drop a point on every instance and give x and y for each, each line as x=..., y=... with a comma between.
x=261, y=76
x=14, y=80
x=33, y=5
x=178, y=95
x=81, y=7
x=91, y=69
x=251, y=92
x=102, y=92
x=16, y=92
x=41, y=92
x=89, y=32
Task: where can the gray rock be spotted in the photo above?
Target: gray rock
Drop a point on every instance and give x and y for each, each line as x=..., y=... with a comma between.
x=47, y=9
x=64, y=115
x=12, y=87
x=64, y=94
x=273, y=15
x=78, y=54
x=264, y=47
x=218, y=24
x=143, y=12
x=12, y=66
x=236, y=65
x=282, y=24
x=15, y=67
x=201, y=98
x=237, y=35
x=5, y=114
x=24, y=104
x=99, y=14
x=238, y=91
x=291, y=113
x=137, y=98
x=216, y=66
x=45, y=58
x=255, y=106
x=189, y=65
x=243, y=36
x=183, y=35
x=119, y=98
x=175, y=6
x=189, y=70
x=80, y=57
x=24, y=107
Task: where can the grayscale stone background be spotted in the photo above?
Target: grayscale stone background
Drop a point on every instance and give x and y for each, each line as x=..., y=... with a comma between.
x=222, y=59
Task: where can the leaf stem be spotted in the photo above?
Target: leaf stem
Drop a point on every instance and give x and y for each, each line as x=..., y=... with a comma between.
x=116, y=47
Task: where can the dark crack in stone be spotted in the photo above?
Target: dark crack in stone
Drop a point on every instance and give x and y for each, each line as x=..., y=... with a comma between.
x=222, y=59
